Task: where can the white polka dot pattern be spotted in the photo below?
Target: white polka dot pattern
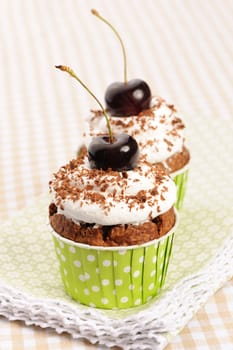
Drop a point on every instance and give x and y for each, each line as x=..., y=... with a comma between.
x=125, y=277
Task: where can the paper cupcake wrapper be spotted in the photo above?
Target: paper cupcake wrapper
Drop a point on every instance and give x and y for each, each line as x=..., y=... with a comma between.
x=113, y=277
x=180, y=178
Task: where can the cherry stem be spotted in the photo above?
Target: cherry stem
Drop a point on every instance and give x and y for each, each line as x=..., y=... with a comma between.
x=96, y=13
x=72, y=74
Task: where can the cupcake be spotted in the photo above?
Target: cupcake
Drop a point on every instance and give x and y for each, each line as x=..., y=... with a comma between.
x=113, y=231
x=153, y=122
x=160, y=134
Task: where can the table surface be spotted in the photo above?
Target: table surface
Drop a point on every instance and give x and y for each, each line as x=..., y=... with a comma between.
x=183, y=49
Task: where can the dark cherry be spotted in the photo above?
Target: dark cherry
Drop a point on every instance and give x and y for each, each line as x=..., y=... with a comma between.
x=124, y=99
x=122, y=154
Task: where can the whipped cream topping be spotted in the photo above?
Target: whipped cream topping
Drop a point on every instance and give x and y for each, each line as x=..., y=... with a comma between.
x=112, y=197
x=158, y=130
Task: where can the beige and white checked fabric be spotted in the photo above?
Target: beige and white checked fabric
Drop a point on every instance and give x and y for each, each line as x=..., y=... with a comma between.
x=182, y=48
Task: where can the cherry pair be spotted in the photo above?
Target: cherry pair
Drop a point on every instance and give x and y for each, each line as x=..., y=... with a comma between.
x=118, y=152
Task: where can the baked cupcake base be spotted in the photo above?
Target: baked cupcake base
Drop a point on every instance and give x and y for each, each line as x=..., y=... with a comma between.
x=117, y=235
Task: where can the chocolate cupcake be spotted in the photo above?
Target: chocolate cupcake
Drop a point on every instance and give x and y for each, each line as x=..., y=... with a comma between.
x=113, y=231
x=160, y=134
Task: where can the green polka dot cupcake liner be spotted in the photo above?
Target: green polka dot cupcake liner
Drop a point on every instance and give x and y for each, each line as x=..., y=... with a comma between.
x=113, y=277
x=180, y=178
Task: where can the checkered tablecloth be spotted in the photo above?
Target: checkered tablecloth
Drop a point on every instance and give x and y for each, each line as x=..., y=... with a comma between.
x=182, y=48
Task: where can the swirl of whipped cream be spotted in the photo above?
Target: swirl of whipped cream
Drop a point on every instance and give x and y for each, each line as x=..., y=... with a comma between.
x=158, y=130
x=112, y=197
